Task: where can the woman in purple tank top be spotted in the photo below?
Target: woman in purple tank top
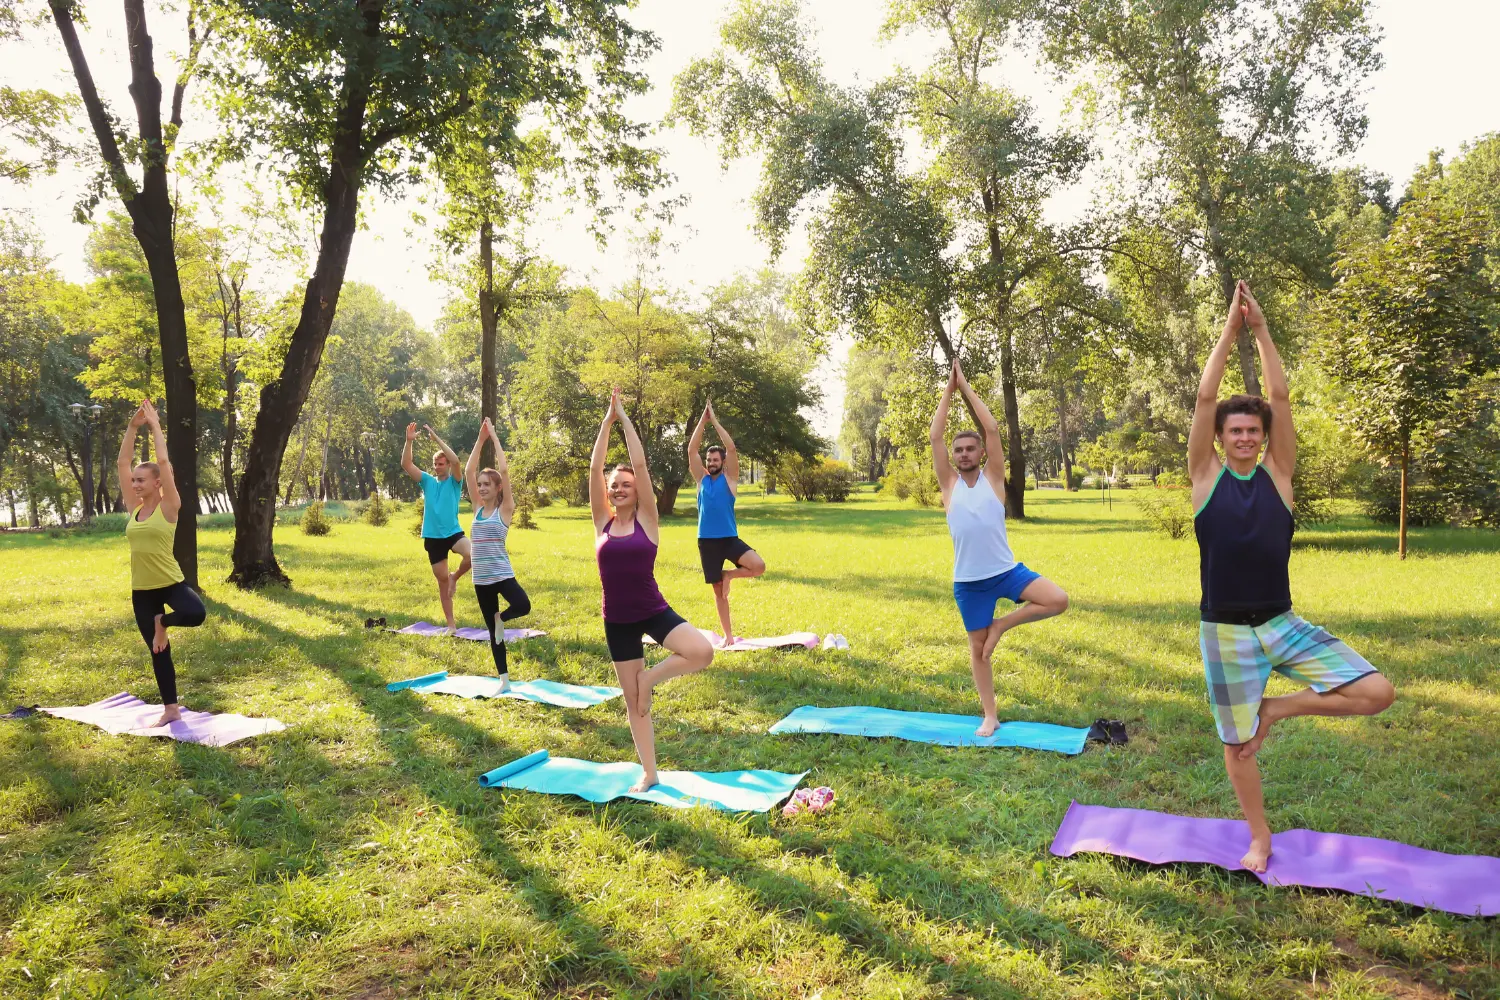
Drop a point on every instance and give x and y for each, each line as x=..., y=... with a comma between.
x=626, y=534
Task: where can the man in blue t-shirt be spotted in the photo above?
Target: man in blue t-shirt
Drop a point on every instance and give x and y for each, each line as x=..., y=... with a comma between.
x=718, y=475
x=440, y=531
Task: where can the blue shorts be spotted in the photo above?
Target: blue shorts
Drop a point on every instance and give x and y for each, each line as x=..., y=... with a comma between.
x=976, y=598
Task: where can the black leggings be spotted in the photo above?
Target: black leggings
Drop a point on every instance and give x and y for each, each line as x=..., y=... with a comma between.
x=518, y=604
x=187, y=612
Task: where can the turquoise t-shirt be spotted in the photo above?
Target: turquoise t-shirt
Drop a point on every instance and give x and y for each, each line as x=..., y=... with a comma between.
x=440, y=506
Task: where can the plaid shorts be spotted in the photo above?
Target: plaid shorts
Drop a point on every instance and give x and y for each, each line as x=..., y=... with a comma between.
x=1238, y=660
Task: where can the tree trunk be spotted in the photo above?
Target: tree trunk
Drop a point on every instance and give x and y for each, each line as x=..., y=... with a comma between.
x=1405, y=471
x=1062, y=438
x=1015, y=458
x=10, y=497
x=35, y=515
x=667, y=499
x=488, y=321
x=281, y=400
x=231, y=425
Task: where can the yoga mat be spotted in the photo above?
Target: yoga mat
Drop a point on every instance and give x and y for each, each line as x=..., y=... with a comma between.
x=541, y=691
x=468, y=632
x=127, y=714
x=1466, y=884
x=931, y=727
x=731, y=791
x=792, y=640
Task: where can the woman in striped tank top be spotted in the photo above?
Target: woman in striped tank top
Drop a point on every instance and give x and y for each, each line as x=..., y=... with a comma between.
x=494, y=503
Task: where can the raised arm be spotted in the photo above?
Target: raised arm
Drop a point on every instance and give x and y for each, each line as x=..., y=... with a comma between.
x=941, y=463
x=645, y=496
x=731, y=453
x=471, y=467
x=443, y=446
x=125, y=463
x=1281, y=454
x=1203, y=463
x=406, y=463
x=598, y=500
x=695, y=446
x=994, y=444
x=502, y=466
x=171, y=502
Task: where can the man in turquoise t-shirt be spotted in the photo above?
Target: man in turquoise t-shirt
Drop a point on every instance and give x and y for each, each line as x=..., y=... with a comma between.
x=718, y=475
x=440, y=531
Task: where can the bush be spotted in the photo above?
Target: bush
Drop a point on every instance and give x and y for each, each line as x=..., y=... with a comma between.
x=1169, y=511
x=313, y=521
x=377, y=512
x=835, y=481
x=824, y=479
x=418, y=507
x=912, y=478
x=1173, y=479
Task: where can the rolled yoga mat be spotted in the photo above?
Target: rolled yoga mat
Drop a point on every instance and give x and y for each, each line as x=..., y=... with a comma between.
x=126, y=714
x=1467, y=884
x=540, y=691
x=731, y=791
x=468, y=632
x=931, y=727
x=792, y=640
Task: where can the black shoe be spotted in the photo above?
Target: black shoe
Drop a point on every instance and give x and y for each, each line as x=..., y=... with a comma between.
x=21, y=712
x=1098, y=732
x=1116, y=730
x=369, y=623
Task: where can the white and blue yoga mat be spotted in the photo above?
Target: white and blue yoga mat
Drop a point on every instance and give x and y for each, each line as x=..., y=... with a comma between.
x=931, y=727
x=731, y=791
x=544, y=692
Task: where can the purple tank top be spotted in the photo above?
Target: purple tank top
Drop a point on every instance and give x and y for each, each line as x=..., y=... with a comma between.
x=627, y=569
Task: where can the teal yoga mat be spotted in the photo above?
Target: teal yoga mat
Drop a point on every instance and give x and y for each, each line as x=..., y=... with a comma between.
x=543, y=692
x=931, y=727
x=731, y=791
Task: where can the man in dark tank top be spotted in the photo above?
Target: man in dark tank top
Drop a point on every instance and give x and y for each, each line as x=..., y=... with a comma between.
x=1242, y=517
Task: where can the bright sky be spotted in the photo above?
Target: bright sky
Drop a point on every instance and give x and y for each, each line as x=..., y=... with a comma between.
x=1439, y=65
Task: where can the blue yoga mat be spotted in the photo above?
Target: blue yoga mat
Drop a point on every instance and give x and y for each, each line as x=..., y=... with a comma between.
x=732, y=791
x=544, y=692
x=931, y=727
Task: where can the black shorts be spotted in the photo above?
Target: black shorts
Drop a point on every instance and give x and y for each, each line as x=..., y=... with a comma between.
x=713, y=552
x=624, y=638
x=438, y=548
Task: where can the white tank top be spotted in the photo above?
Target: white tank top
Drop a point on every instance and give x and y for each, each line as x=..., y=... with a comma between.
x=976, y=520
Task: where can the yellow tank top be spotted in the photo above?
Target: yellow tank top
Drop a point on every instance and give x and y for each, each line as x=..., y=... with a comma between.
x=152, y=564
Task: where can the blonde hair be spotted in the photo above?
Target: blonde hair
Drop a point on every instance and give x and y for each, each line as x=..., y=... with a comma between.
x=152, y=468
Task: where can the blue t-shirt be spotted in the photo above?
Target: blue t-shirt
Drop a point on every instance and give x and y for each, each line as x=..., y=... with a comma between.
x=440, y=506
x=716, y=508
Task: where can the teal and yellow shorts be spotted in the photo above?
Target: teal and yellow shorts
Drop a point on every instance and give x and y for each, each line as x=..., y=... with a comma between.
x=1238, y=660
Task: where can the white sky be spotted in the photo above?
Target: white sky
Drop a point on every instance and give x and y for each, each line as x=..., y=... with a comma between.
x=1431, y=94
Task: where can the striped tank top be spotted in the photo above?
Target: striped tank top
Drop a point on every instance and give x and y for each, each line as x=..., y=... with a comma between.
x=487, y=548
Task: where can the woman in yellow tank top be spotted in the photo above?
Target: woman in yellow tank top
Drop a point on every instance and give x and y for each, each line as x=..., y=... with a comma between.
x=156, y=580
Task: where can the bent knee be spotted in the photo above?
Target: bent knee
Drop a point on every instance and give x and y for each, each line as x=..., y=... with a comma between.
x=1061, y=603
x=192, y=619
x=704, y=657
x=1379, y=694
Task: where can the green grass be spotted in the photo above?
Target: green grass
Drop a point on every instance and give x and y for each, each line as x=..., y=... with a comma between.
x=354, y=855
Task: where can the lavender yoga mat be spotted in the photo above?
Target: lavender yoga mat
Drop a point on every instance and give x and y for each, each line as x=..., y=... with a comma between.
x=470, y=632
x=127, y=714
x=1466, y=884
x=792, y=640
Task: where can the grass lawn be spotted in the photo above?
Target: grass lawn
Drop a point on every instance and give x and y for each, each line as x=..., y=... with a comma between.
x=355, y=855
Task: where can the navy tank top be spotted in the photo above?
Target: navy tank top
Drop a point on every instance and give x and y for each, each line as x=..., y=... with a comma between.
x=1244, y=534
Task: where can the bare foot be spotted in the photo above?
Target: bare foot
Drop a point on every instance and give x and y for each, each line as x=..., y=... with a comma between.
x=987, y=727
x=171, y=713
x=1251, y=746
x=1259, y=854
x=159, y=641
x=645, y=784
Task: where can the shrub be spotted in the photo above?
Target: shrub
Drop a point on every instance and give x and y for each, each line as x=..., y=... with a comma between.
x=313, y=521
x=1174, y=479
x=1169, y=511
x=835, y=481
x=912, y=478
x=377, y=512
x=824, y=479
x=418, y=507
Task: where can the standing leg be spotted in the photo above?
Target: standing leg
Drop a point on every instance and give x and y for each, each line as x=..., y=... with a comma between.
x=748, y=566
x=721, y=605
x=1244, y=775
x=488, y=596
x=148, y=606
x=981, y=647
x=463, y=548
x=642, y=731
x=445, y=592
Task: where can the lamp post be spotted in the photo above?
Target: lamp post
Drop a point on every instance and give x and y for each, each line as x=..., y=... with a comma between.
x=90, y=416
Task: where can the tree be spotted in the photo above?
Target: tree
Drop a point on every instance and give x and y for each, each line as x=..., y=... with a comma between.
x=1235, y=102
x=1411, y=322
x=867, y=375
x=361, y=95
x=149, y=201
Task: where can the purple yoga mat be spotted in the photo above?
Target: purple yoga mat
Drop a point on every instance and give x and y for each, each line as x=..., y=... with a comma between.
x=1466, y=884
x=125, y=713
x=792, y=640
x=470, y=632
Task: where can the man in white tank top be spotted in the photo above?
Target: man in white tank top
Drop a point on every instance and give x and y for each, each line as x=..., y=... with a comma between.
x=983, y=568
